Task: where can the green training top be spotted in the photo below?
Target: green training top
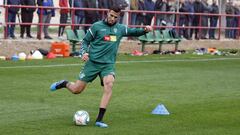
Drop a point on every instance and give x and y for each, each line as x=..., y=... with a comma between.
x=102, y=40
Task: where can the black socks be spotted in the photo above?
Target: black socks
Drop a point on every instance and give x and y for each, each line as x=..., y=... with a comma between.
x=100, y=114
x=62, y=84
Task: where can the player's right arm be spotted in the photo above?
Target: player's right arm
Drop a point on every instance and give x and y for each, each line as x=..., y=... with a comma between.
x=86, y=42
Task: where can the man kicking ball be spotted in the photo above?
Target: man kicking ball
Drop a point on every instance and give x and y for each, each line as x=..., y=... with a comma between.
x=99, y=49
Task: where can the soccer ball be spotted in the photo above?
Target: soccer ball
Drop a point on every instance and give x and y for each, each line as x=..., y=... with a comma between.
x=81, y=118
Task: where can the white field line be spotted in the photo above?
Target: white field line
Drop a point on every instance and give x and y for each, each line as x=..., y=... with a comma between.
x=42, y=66
x=124, y=62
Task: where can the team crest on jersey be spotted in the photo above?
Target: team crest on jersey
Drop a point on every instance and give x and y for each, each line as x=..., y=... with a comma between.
x=115, y=30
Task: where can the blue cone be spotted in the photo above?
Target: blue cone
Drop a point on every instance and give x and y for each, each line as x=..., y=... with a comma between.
x=160, y=110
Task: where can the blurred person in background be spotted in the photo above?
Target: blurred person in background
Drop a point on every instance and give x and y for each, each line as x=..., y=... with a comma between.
x=170, y=18
x=183, y=19
x=12, y=13
x=235, y=33
x=213, y=19
x=27, y=17
x=229, y=19
x=198, y=8
x=103, y=4
x=45, y=15
x=204, y=19
x=160, y=5
x=133, y=6
x=141, y=17
x=190, y=16
x=79, y=15
x=91, y=16
x=63, y=17
x=149, y=6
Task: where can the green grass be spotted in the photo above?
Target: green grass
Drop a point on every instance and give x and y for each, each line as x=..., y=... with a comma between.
x=202, y=96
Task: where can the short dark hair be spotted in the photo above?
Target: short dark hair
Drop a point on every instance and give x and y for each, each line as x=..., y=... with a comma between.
x=116, y=9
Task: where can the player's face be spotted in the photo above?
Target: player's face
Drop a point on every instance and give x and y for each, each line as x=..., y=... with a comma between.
x=112, y=17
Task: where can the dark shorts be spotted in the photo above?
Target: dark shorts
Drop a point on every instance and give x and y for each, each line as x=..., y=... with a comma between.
x=93, y=69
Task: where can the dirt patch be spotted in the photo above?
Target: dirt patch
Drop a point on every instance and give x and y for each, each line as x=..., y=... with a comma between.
x=11, y=47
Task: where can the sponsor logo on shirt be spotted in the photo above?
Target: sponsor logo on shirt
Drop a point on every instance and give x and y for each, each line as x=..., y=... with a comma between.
x=111, y=38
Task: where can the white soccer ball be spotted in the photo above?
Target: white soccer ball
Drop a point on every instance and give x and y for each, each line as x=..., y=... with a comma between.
x=81, y=118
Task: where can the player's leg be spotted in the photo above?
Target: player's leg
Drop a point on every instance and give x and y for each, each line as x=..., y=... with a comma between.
x=107, y=94
x=88, y=74
x=75, y=88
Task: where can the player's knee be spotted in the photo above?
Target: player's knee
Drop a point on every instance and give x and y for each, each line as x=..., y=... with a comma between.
x=78, y=87
x=108, y=84
x=108, y=87
x=78, y=90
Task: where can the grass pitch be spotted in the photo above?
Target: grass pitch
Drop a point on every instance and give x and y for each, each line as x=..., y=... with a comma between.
x=202, y=93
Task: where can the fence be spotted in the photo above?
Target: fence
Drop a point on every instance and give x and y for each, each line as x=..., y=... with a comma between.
x=102, y=12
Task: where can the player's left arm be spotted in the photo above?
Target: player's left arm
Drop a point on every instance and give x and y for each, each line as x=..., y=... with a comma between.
x=137, y=31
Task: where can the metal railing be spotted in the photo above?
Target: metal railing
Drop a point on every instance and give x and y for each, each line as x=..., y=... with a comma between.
x=220, y=28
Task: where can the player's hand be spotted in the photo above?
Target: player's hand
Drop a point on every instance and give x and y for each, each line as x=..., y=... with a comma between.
x=85, y=57
x=148, y=28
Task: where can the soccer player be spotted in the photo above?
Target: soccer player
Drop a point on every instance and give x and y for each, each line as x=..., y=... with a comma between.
x=99, y=50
